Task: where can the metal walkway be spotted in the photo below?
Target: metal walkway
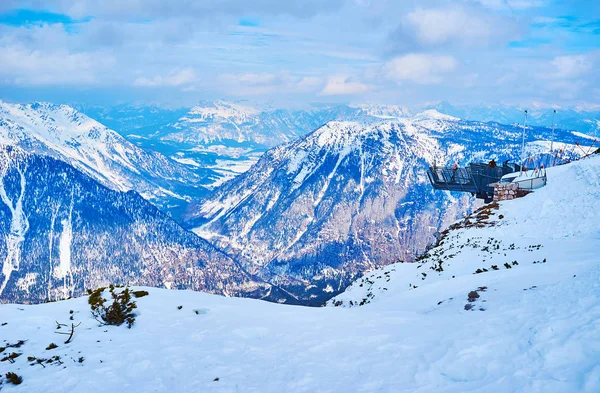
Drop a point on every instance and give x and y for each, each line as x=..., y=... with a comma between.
x=475, y=179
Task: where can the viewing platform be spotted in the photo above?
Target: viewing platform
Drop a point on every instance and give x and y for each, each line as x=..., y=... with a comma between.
x=477, y=178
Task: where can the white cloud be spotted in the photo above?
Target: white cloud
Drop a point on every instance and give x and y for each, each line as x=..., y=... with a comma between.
x=512, y=4
x=268, y=83
x=451, y=26
x=441, y=25
x=157, y=9
x=343, y=85
x=26, y=67
x=419, y=68
x=568, y=67
x=177, y=78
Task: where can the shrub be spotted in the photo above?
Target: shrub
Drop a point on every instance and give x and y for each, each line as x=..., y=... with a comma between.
x=472, y=296
x=138, y=294
x=51, y=346
x=10, y=357
x=116, y=313
x=13, y=378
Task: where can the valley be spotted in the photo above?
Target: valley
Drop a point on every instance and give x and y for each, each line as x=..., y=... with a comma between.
x=296, y=223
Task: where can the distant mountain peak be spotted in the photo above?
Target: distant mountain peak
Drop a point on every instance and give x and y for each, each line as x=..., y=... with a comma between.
x=383, y=111
x=435, y=115
x=223, y=109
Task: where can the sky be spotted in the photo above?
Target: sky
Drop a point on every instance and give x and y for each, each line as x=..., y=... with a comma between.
x=411, y=52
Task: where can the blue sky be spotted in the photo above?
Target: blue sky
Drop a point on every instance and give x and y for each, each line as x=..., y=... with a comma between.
x=292, y=52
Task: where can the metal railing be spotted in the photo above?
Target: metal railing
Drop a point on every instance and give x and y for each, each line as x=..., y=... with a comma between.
x=475, y=179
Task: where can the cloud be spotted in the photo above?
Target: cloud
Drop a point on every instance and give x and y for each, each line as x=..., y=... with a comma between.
x=474, y=50
x=159, y=9
x=568, y=75
x=512, y=4
x=419, y=68
x=26, y=67
x=569, y=67
x=343, y=85
x=268, y=83
x=451, y=26
x=176, y=78
x=442, y=25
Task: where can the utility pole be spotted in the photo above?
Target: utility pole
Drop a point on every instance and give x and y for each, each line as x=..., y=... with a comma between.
x=523, y=142
x=552, y=140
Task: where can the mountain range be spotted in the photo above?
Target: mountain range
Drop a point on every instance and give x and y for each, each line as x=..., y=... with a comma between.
x=581, y=119
x=226, y=122
x=64, y=133
x=527, y=323
x=314, y=214
x=63, y=232
x=297, y=227
x=220, y=139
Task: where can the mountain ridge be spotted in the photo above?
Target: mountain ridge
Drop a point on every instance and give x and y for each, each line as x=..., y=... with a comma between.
x=65, y=133
x=64, y=232
x=350, y=197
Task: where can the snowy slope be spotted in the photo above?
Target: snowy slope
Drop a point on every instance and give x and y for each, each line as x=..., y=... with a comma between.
x=315, y=213
x=64, y=133
x=539, y=331
x=550, y=234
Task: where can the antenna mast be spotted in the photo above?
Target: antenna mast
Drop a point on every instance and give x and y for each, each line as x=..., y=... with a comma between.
x=523, y=142
x=552, y=140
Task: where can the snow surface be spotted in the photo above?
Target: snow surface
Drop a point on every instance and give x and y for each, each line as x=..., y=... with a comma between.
x=434, y=115
x=535, y=328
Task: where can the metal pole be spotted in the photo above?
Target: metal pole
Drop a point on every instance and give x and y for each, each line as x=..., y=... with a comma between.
x=552, y=140
x=523, y=142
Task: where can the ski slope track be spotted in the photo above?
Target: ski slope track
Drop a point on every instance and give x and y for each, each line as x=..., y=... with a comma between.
x=530, y=328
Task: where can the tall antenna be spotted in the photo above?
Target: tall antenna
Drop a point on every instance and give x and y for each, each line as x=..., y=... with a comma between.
x=552, y=140
x=523, y=142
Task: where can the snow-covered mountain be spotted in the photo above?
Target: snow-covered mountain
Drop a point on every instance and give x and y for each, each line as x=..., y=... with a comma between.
x=381, y=111
x=62, y=232
x=226, y=122
x=586, y=120
x=220, y=139
x=532, y=328
x=314, y=214
x=546, y=237
x=64, y=133
x=133, y=120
